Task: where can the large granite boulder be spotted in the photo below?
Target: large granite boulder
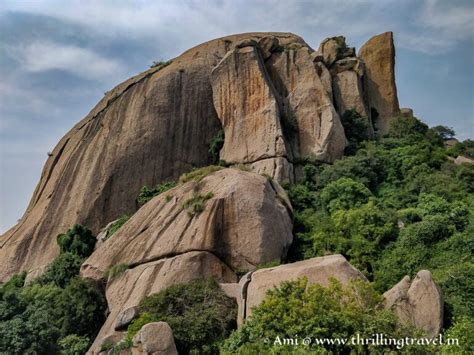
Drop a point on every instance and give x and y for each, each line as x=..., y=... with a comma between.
x=154, y=339
x=419, y=302
x=241, y=217
x=378, y=55
x=151, y=128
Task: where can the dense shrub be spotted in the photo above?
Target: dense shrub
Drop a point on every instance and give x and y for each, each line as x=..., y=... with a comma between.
x=199, y=313
x=77, y=240
x=296, y=309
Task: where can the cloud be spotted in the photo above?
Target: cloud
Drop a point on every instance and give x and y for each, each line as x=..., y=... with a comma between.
x=425, y=26
x=44, y=55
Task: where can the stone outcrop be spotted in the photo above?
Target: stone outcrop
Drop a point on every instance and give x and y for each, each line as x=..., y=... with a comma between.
x=313, y=126
x=460, y=160
x=334, y=48
x=151, y=128
x=419, y=302
x=245, y=221
x=247, y=107
x=154, y=339
x=378, y=55
x=126, y=290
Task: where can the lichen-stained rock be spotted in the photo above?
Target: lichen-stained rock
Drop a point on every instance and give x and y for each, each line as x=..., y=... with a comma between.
x=419, y=303
x=128, y=289
x=247, y=106
x=319, y=132
x=151, y=128
x=241, y=217
x=318, y=271
x=378, y=55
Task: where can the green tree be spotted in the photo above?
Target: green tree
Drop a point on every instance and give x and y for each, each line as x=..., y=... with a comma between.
x=343, y=194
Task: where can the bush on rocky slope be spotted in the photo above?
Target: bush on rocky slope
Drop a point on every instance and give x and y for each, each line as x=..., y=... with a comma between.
x=199, y=313
x=296, y=310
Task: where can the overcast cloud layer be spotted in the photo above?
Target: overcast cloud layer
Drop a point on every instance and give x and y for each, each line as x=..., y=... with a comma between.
x=58, y=58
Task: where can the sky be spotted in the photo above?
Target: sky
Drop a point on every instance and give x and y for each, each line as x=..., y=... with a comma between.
x=57, y=59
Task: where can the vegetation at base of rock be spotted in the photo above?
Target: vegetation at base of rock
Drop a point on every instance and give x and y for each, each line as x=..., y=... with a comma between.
x=297, y=309
x=216, y=145
x=62, y=270
x=199, y=313
x=195, y=204
x=58, y=313
x=147, y=193
x=116, y=270
x=77, y=240
x=395, y=206
x=161, y=64
x=199, y=174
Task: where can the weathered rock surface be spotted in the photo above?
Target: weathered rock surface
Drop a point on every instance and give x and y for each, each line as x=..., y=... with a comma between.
x=318, y=133
x=154, y=339
x=419, y=303
x=245, y=222
x=334, y=48
x=151, y=128
x=125, y=318
x=125, y=291
x=378, y=55
x=247, y=106
x=348, y=92
x=318, y=271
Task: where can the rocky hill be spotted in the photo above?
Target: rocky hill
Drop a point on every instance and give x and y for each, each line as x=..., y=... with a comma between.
x=257, y=87
x=242, y=153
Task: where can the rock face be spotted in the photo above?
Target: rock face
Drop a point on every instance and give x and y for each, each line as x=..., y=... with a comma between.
x=419, y=303
x=125, y=291
x=378, y=54
x=249, y=113
x=318, y=271
x=313, y=127
x=245, y=221
x=154, y=339
x=151, y=128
